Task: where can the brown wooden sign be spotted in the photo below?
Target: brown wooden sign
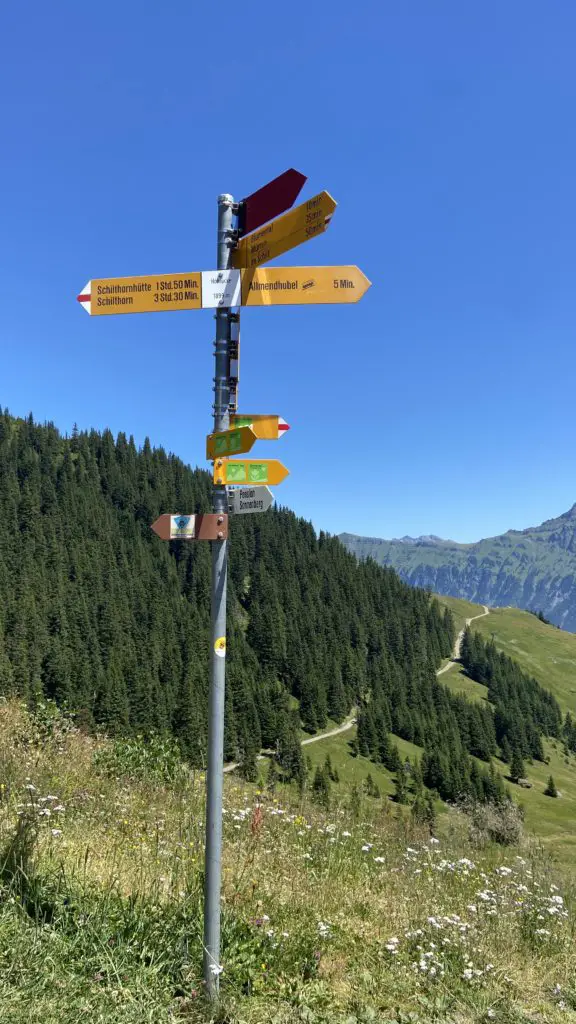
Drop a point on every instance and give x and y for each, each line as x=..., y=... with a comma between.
x=209, y=526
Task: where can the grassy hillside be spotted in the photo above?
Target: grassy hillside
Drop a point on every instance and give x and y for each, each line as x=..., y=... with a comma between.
x=346, y=916
x=549, y=654
x=461, y=609
x=545, y=652
x=551, y=821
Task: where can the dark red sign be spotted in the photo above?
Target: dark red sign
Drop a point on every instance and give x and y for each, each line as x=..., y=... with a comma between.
x=270, y=201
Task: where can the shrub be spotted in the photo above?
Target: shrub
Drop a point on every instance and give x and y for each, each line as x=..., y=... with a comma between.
x=497, y=823
x=153, y=758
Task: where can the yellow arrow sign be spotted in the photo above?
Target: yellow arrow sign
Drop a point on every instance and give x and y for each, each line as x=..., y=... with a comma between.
x=142, y=294
x=286, y=286
x=266, y=428
x=249, y=471
x=285, y=233
x=230, y=442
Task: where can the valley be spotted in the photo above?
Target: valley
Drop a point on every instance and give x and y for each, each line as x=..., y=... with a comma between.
x=531, y=569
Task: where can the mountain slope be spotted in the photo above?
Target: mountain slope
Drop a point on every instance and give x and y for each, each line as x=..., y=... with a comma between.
x=101, y=616
x=533, y=568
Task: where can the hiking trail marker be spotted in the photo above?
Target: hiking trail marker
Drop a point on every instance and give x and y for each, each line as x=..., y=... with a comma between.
x=285, y=233
x=213, y=289
x=249, y=234
x=230, y=442
x=209, y=526
x=160, y=293
x=287, y=286
x=242, y=500
x=266, y=428
x=249, y=471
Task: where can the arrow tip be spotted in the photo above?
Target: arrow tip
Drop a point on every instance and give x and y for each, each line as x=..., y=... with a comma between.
x=282, y=425
x=85, y=297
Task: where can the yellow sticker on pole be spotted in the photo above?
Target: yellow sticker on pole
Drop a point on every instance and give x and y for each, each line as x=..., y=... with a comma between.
x=220, y=647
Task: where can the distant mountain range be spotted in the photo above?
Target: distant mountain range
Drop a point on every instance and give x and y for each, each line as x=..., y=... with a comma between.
x=533, y=568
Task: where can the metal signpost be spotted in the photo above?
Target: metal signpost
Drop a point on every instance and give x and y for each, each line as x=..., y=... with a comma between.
x=240, y=485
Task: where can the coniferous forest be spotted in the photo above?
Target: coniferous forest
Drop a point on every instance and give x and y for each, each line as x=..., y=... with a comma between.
x=100, y=615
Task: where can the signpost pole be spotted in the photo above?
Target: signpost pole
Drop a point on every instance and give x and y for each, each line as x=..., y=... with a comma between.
x=214, y=775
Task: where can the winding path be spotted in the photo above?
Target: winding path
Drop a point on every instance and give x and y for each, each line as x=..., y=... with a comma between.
x=350, y=722
x=458, y=641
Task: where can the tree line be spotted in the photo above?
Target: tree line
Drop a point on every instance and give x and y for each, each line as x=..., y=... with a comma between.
x=112, y=623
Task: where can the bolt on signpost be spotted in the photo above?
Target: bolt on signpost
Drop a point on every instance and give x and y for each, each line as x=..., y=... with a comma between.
x=239, y=485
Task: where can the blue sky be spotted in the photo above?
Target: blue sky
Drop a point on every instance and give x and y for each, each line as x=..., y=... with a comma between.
x=444, y=401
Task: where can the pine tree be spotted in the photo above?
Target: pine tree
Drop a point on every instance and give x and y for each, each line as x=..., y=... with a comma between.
x=328, y=769
x=551, y=788
x=321, y=787
x=516, y=766
x=400, y=788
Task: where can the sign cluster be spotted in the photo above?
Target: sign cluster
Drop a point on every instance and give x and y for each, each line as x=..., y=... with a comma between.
x=264, y=231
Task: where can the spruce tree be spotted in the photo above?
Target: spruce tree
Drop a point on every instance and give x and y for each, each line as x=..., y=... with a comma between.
x=551, y=788
x=516, y=766
x=321, y=787
x=400, y=787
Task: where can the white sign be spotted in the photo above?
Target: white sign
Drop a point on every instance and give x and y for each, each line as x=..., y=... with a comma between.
x=249, y=499
x=182, y=527
x=220, y=288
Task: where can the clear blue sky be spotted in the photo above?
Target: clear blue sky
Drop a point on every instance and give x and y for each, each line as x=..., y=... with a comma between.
x=444, y=401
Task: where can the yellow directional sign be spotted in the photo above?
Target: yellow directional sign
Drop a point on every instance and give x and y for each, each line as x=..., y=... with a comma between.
x=266, y=428
x=230, y=442
x=286, y=286
x=285, y=233
x=142, y=294
x=249, y=471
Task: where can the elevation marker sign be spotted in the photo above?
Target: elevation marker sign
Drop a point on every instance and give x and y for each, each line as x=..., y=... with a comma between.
x=285, y=233
x=242, y=500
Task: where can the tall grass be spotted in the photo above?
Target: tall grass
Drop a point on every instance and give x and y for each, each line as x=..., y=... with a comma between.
x=352, y=915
